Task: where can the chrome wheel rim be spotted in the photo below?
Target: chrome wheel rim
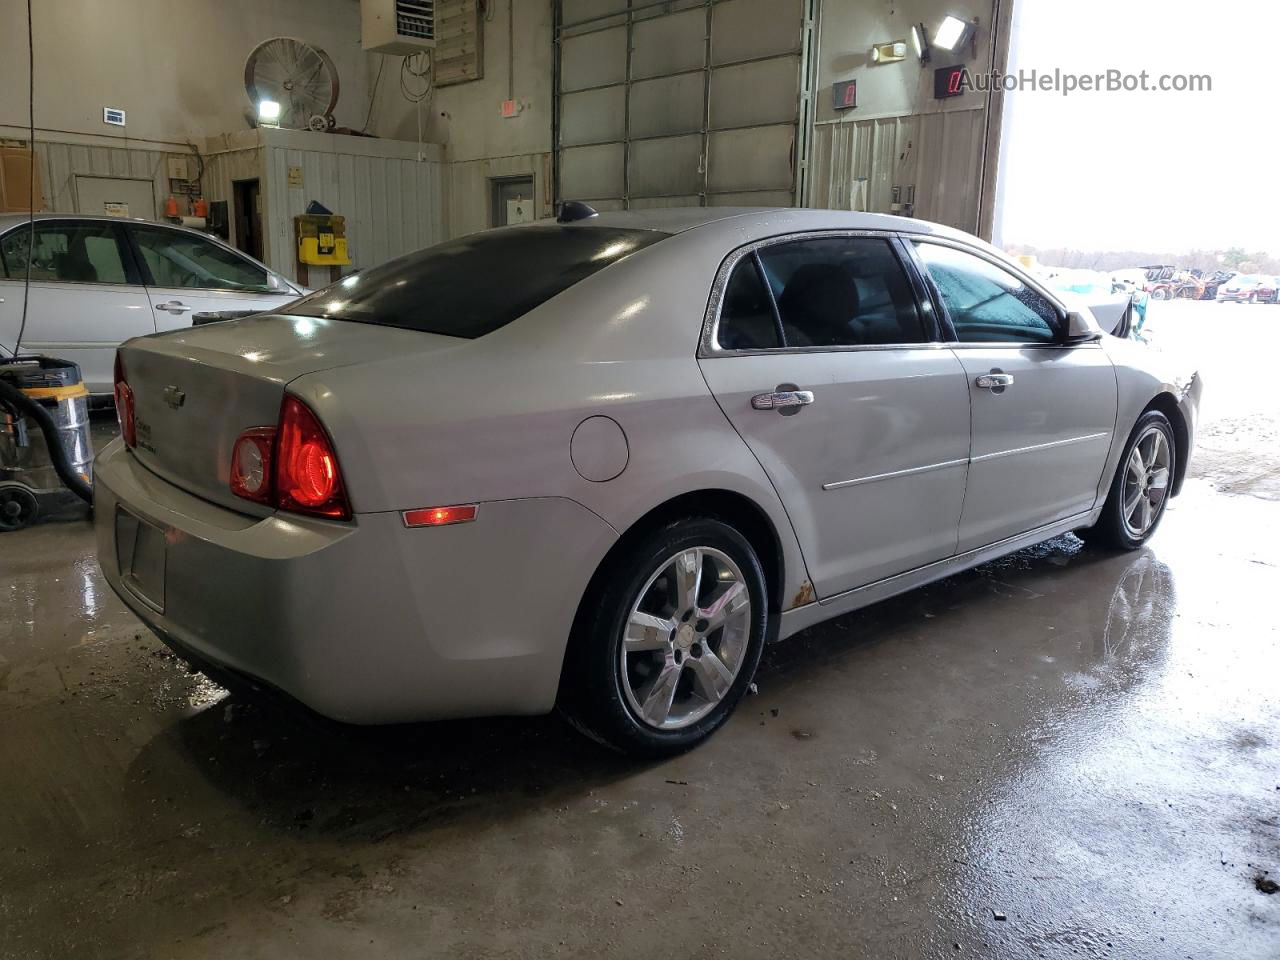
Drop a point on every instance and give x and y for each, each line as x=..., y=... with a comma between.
x=1146, y=482
x=685, y=639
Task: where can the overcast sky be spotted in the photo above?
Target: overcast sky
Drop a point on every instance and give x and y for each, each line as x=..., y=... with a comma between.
x=1157, y=171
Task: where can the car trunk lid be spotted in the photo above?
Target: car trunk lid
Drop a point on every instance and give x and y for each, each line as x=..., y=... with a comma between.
x=195, y=391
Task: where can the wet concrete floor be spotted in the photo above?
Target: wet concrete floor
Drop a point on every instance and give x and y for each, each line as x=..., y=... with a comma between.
x=1064, y=753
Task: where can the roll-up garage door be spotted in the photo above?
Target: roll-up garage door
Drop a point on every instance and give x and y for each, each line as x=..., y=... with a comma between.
x=680, y=103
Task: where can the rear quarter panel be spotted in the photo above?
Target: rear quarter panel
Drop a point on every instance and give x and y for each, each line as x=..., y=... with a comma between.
x=493, y=421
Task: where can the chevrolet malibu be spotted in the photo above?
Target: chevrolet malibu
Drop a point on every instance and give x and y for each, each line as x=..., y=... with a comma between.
x=595, y=464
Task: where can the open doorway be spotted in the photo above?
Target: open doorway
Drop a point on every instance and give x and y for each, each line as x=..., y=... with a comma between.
x=248, y=235
x=511, y=200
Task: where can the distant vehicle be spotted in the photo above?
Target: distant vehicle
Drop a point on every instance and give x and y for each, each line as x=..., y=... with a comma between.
x=1249, y=288
x=1132, y=280
x=98, y=281
x=1161, y=281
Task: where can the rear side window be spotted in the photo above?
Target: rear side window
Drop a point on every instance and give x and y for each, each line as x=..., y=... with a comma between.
x=68, y=251
x=476, y=284
x=747, y=320
x=842, y=291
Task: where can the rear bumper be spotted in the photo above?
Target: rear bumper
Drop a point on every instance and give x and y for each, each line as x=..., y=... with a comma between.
x=368, y=621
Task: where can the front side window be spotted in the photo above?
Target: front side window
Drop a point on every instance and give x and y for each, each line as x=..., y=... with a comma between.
x=841, y=292
x=64, y=251
x=988, y=304
x=178, y=259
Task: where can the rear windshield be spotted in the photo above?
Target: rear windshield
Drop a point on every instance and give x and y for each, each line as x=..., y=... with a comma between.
x=476, y=284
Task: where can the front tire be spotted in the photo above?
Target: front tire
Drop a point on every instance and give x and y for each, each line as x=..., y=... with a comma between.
x=1140, y=490
x=668, y=640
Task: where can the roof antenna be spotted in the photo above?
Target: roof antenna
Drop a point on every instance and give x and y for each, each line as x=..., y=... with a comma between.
x=571, y=210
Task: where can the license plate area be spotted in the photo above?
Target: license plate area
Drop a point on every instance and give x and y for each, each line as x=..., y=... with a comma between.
x=140, y=558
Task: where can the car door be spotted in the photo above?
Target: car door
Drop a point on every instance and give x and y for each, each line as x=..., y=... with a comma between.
x=187, y=273
x=826, y=361
x=86, y=297
x=1043, y=410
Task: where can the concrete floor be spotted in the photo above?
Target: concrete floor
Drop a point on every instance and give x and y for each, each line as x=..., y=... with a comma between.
x=1065, y=753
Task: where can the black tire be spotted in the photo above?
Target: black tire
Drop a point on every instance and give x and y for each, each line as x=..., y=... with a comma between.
x=18, y=507
x=1111, y=530
x=592, y=696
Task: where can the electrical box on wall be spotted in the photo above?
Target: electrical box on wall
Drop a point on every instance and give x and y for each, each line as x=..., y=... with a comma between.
x=948, y=82
x=398, y=27
x=844, y=95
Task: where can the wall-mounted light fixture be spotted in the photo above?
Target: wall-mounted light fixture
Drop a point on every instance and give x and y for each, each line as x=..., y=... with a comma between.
x=954, y=32
x=889, y=52
x=268, y=113
x=920, y=40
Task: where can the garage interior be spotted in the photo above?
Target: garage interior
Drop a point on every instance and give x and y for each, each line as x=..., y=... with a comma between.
x=1067, y=752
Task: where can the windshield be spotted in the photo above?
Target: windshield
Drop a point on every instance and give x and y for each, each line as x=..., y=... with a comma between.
x=476, y=284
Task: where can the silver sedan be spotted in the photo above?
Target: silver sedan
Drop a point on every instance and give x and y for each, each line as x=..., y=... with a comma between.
x=597, y=463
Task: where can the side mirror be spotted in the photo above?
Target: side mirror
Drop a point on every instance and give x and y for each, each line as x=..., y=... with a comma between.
x=1081, y=328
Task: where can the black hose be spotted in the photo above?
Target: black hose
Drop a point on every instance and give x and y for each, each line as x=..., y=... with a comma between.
x=18, y=400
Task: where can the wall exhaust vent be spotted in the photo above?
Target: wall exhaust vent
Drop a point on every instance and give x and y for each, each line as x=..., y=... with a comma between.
x=113, y=116
x=398, y=27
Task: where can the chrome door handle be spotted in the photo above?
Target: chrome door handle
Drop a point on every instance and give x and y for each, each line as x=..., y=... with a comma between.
x=173, y=306
x=782, y=400
x=995, y=381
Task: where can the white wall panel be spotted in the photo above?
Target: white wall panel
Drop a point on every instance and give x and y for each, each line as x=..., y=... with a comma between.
x=939, y=153
x=393, y=203
x=61, y=163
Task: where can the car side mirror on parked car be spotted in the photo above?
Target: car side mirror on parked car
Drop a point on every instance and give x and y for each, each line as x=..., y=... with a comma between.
x=1080, y=328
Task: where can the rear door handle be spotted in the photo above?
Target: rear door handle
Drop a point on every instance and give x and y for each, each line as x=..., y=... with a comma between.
x=995, y=381
x=173, y=306
x=782, y=400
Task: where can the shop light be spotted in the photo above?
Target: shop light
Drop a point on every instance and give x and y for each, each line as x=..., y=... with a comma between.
x=953, y=32
x=920, y=40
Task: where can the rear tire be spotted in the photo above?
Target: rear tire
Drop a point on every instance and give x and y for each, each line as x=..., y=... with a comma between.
x=651, y=672
x=1140, y=489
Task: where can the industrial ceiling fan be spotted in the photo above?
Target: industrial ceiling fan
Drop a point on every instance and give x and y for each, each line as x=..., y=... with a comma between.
x=291, y=83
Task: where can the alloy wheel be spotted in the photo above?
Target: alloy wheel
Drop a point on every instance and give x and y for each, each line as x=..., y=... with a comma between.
x=685, y=638
x=1146, y=482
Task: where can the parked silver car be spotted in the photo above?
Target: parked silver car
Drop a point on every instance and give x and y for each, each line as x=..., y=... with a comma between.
x=596, y=464
x=96, y=281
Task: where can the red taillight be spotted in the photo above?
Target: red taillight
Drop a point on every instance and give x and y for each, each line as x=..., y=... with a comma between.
x=307, y=478
x=292, y=466
x=124, y=406
x=439, y=516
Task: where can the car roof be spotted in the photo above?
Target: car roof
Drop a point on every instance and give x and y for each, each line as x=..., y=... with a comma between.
x=760, y=221
x=9, y=220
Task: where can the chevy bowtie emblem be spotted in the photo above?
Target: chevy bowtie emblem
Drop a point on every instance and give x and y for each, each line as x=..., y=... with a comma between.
x=174, y=397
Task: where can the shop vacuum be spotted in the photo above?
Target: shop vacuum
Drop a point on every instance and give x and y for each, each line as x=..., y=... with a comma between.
x=45, y=447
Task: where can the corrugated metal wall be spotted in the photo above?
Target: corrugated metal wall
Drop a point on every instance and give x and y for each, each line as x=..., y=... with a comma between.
x=939, y=153
x=61, y=163
x=393, y=203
